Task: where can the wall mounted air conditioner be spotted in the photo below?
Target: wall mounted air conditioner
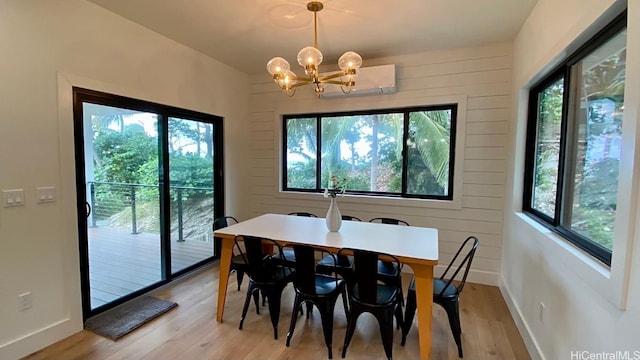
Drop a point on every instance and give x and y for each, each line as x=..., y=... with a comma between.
x=371, y=80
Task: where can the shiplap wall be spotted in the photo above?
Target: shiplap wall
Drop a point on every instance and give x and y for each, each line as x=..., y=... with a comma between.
x=481, y=76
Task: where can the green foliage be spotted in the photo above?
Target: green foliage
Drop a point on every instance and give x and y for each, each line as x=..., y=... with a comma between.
x=301, y=175
x=130, y=157
x=122, y=155
x=429, y=134
x=593, y=143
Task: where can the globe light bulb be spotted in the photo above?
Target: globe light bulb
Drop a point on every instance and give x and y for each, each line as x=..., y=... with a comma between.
x=278, y=66
x=309, y=56
x=350, y=60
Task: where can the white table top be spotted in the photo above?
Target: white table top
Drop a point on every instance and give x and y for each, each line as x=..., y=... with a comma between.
x=410, y=244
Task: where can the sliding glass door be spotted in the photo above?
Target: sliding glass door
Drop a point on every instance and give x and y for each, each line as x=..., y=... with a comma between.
x=191, y=197
x=149, y=181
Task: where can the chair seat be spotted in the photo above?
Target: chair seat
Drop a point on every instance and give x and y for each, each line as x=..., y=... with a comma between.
x=385, y=295
x=342, y=261
x=289, y=255
x=326, y=285
x=450, y=291
x=438, y=285
x=287, y=258
x=278, y=274
x=387, y=268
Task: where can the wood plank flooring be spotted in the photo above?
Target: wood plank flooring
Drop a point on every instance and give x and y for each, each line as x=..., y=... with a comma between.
x=190, y=331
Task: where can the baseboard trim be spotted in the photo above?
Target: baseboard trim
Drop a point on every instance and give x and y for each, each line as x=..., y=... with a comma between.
x=525, y=332
x=34, y=341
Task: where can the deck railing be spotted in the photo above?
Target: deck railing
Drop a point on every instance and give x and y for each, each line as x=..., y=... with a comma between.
x=107, y=199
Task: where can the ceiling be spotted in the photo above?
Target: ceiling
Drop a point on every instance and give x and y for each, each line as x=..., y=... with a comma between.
x=245, y=34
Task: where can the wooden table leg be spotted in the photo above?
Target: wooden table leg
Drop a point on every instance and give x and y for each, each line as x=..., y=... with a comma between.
x=424, y=294
x=225, y=264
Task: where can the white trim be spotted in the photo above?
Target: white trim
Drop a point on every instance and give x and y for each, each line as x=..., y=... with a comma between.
x=525, y=332
x=598, y=276
x=24, y=345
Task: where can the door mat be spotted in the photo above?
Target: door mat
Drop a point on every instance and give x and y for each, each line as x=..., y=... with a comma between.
x=123, y=319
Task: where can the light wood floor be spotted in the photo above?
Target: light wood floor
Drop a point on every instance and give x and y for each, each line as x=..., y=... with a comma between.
x=190, y=331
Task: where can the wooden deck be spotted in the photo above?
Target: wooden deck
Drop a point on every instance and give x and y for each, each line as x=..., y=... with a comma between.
x=121, y=262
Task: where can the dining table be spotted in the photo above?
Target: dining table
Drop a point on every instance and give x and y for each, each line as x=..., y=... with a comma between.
x=414, y=246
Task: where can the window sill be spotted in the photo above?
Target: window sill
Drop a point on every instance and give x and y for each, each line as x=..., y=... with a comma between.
x=376, y=200
x=591, y=271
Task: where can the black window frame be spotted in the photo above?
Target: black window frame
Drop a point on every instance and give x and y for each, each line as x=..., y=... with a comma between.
x=453, y=107
x=563, y=71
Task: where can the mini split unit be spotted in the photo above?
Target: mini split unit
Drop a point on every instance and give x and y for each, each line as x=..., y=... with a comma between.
x=372, y=80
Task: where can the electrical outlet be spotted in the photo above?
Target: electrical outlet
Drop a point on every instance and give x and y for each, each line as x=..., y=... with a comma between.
x=25, y=301
x=541, y=314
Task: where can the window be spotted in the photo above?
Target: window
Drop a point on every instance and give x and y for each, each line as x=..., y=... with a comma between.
x=395, y=152
x=573, y=143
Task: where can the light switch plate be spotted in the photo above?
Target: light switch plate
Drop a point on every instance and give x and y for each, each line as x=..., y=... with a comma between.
x=13, y=197
x=45, y=194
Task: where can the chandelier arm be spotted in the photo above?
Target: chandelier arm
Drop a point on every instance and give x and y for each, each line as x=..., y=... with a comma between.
x=340, y=82
x=331, y=76
x=301, y=82
x=337, y=75
x=349, y=88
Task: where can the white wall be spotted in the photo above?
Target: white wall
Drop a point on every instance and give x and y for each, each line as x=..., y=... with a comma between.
x=583, y=300
x=48, y=46
x=478, y=77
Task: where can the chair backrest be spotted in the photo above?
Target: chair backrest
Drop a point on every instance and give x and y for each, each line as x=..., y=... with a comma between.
x=365, y=272
x=302, y=213
x=305, y=266
x=223, y=222
x=350, y=218
x=471, y=243
x=260, y=256
x=392, y=221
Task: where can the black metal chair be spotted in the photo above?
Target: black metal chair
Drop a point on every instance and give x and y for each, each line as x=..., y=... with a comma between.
x=328, y=264
x=385, y=268
x=350, y=218
x=266, y=275
x=316, y=289
x=289, y=256
x=368, y=294
x=237, y=260
x=386, y=220
x=445, y=293
x=302, y=213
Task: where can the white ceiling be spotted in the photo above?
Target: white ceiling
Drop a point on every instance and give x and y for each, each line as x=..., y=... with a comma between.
x=245, y=34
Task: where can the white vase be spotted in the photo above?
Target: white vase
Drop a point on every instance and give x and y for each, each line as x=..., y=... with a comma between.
x=334, y=218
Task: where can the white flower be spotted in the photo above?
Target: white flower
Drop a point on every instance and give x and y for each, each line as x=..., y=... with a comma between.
x=335, y=187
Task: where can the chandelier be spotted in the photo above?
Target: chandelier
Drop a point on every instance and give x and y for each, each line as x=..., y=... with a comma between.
x=310, y=58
